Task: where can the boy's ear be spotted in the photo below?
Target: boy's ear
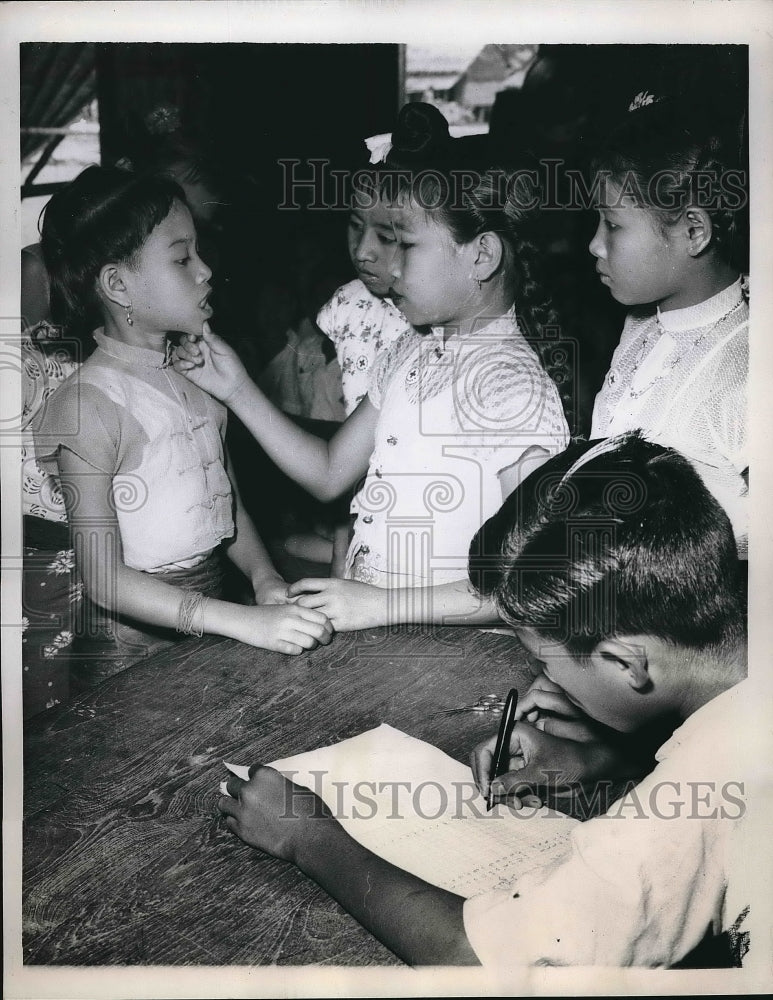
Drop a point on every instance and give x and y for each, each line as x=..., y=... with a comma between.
x=627, y=656
x=112, y=285
x=699, y=230
x=488, y=256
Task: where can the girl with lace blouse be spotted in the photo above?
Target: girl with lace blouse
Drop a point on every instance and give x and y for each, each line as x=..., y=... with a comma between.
x=139, y=450
x=671, y=243
x=455, y=415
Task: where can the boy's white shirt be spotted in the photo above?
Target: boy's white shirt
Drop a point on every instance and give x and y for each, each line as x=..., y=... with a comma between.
x=640, y=888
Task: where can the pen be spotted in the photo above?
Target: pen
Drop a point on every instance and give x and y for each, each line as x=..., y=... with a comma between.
x=502, y=751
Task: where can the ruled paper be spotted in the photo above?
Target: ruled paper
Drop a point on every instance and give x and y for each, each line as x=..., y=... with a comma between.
x=418, y=808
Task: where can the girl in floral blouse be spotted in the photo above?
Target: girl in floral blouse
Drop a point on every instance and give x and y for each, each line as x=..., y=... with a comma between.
x=361, y=320
x=455, y=416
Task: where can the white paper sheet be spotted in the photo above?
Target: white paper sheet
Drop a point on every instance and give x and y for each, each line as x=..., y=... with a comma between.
x=415, y=806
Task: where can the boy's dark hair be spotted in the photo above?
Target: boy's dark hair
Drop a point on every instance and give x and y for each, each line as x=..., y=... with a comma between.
x=669, y=159
x=630, y=542
x=104, y=215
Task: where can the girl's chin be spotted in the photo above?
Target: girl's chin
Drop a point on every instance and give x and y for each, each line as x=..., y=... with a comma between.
x=372, y=283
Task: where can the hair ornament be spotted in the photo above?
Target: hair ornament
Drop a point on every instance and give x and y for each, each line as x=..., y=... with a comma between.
x=642, y=100
x=379, y=146
x=163, y=120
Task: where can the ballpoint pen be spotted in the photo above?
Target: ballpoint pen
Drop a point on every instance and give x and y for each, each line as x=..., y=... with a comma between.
x=502, y=751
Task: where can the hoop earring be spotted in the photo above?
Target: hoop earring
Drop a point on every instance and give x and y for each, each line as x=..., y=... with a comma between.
x=129, y=311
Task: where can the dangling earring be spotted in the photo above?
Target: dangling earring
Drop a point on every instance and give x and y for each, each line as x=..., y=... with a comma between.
x=129, y=311
x=479, y=283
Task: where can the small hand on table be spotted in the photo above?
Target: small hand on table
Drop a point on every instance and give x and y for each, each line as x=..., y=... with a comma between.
x=270, y=812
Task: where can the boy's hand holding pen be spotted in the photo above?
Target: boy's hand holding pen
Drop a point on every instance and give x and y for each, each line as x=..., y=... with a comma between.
x=501, y=759
x=536, y=749
x=498, y=762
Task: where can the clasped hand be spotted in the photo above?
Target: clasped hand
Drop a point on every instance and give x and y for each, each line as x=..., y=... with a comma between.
x=348, y=604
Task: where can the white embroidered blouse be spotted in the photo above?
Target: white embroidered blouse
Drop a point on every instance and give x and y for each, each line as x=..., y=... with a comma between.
x=681, y=377
x=452, y=417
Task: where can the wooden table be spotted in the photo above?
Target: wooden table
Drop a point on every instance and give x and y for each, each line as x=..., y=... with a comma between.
x=126, y=858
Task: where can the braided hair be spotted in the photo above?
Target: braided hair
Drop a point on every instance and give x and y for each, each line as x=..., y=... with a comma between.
x=472, y=186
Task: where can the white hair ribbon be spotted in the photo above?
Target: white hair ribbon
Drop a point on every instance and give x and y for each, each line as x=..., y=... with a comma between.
x=379, y=146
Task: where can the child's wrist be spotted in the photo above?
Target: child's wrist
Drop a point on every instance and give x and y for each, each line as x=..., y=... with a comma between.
x=231, y=398
x=191, y=613
x=219, y=618
x=317, y=837
x=266, y=585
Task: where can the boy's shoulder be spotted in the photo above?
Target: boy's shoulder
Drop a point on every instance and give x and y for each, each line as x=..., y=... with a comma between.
x=715, y=729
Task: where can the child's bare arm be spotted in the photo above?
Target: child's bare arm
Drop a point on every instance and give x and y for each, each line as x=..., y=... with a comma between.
x=352, y=605
x=323, y=468
x=112, y=584
x=248, y=553
x=512, y=476
x=420, y=923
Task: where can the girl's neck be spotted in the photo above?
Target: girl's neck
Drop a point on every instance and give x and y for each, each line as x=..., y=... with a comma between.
x=705, y=283
x=491, y=303
x=134, y=335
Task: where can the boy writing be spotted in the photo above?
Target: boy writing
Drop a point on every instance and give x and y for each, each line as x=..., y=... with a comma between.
x=618, y=569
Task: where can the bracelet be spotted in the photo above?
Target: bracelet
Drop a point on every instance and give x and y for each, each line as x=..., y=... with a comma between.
x=191, y=606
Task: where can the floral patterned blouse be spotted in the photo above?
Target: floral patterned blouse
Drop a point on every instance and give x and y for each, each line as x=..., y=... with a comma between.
x=360, y=324
x=43, y=371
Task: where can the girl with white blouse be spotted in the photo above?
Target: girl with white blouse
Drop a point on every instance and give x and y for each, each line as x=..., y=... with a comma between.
x=671, y=244
x=139, y=450
x=455, y=415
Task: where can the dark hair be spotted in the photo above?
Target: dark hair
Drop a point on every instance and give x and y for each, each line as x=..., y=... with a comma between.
x=472, y=186
x=669, y=161
x=157, y=142
x=631, y=542
x=106, y=214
